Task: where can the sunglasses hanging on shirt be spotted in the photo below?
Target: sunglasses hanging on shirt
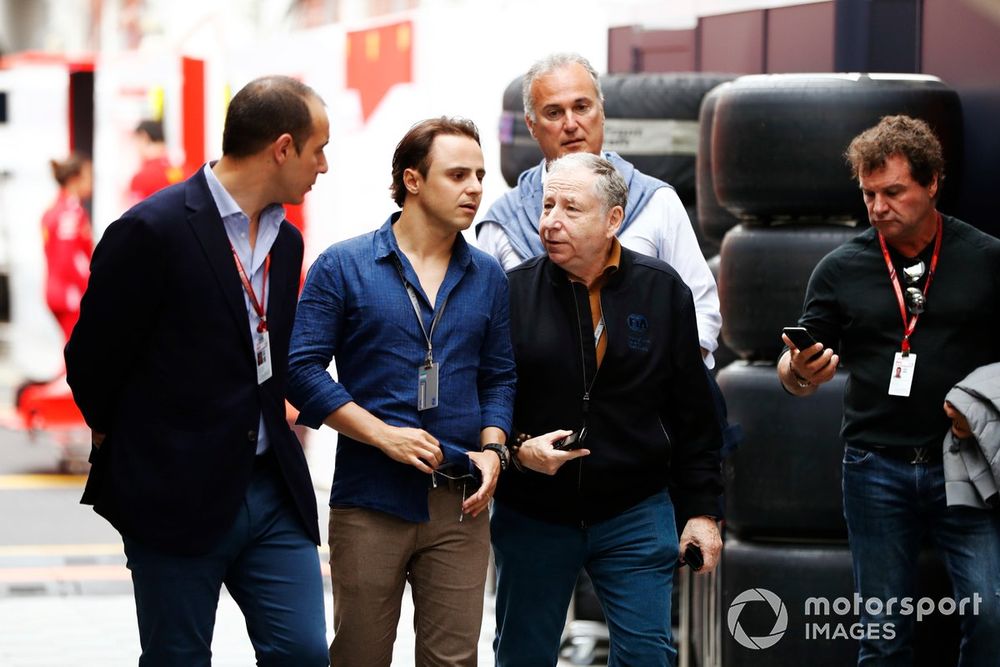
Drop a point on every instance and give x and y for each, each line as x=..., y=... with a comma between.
x=916, y=302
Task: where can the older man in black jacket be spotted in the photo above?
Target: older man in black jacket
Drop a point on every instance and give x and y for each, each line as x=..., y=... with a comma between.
x=606, y=345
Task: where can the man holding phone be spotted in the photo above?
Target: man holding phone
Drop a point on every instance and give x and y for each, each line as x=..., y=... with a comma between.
x=615, y=357
x=799, y=337
x=923, y=286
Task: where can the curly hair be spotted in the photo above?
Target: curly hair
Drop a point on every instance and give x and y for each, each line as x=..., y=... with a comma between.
x=908, y=137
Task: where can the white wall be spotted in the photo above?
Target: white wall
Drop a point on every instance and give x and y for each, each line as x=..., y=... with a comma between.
x=463, y=58
x=36, y=132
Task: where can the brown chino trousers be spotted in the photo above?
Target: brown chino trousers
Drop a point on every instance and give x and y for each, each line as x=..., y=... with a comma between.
x=373, y=554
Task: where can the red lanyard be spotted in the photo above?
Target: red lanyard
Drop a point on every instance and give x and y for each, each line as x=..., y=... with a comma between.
x=258, y=308
x=908, y=327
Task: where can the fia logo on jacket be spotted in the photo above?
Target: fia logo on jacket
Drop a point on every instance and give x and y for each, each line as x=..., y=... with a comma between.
x=638, y=339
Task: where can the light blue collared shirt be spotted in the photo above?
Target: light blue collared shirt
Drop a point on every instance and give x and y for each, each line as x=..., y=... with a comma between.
x=237, y=225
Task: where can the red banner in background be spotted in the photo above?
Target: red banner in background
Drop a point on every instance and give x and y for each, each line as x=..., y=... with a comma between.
x=378, y=59
x=193, y=113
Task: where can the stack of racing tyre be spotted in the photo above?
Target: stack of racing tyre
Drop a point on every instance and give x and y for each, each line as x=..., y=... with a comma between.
x=774, y=190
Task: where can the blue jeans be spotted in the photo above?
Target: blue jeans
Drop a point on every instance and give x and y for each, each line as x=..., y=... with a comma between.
x=631, y=560
x=268, y=564
x=890, y=506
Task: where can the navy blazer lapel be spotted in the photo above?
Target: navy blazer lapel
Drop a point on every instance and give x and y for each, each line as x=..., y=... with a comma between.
x=203, y=217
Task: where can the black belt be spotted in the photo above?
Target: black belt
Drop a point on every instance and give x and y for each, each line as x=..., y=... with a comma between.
x=911, y=455
x=456, y=481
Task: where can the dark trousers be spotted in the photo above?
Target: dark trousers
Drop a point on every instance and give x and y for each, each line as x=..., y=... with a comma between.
x=891, y=506
x=631, y=560
x=267, y=563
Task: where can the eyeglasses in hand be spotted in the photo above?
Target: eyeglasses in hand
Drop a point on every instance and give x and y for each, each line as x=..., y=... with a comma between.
x=469, y=481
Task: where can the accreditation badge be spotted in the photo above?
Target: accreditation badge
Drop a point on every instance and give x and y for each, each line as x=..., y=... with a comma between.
x=427, y=386
x=262, y=355
x=902, y=374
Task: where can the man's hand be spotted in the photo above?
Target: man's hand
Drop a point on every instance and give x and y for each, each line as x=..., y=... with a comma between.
x=703, y=532
x=539, y=455
x=798, y=366
x=959, y=424
x=489, y=466
x=412, y=446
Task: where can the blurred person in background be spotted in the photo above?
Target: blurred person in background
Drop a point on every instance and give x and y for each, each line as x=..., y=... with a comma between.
x=68, y=241
x=155, y=170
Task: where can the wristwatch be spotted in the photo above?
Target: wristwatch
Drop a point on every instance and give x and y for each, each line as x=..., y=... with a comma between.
x=501, y=451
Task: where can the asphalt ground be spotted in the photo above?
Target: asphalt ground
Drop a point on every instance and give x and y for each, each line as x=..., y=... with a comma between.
x=65, y=593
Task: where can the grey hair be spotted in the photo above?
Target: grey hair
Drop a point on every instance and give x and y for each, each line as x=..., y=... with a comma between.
x=550, y=64
x=609, y=186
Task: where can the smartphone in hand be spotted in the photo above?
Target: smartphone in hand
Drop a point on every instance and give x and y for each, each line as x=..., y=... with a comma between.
x=572, y=441
x=693, y=557
x=801, y=338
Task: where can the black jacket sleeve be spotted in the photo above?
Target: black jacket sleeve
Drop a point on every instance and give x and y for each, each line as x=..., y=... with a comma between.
x=696, y=478
x=116, y=316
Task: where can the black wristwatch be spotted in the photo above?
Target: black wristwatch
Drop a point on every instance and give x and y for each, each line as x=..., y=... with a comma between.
x=501, y=451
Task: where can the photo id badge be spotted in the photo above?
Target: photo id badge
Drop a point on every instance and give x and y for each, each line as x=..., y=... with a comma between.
x=262, y=355
x=427, y=387
x=902, y=374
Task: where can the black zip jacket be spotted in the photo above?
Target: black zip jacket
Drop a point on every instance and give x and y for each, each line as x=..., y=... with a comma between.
x=648, y=411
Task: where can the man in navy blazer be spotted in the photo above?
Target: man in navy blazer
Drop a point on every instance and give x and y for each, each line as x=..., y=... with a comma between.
x=179, y=364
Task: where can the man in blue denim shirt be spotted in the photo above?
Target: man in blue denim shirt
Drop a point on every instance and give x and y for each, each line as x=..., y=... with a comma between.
x=423, y=405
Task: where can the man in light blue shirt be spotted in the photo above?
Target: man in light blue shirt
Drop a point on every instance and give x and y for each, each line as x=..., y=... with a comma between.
x=179, y=363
